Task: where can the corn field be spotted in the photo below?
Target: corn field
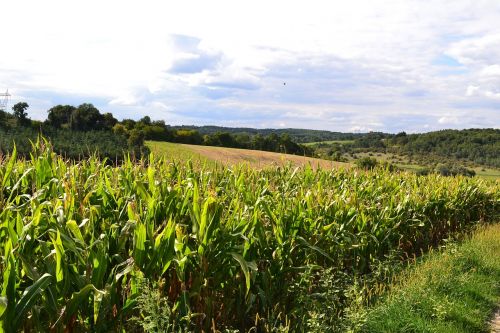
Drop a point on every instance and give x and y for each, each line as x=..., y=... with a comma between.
x=89, y=246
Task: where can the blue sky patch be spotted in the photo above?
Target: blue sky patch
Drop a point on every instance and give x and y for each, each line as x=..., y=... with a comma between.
x=444, y=60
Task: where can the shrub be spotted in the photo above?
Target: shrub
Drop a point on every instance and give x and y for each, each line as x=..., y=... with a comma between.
x=367, y=163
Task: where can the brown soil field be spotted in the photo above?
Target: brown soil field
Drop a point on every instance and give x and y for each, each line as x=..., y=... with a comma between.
x=232, y=156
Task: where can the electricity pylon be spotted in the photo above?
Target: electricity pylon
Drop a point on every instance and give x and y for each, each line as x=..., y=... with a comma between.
x=4, y=100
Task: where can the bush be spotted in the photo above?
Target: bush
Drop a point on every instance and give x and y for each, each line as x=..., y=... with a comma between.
x=367, y=163
x=424, y=172
x=453, y=170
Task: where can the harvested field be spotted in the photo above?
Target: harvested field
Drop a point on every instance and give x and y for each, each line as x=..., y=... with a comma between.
x=231, y=156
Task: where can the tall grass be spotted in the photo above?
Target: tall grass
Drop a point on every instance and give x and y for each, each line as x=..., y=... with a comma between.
x=222, y=248
x=455, y=290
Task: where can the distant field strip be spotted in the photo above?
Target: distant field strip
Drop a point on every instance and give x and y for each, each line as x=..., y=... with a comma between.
x=232, y=156
x=342, y=142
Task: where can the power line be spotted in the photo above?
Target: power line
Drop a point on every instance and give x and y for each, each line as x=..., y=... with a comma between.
x=4, y=100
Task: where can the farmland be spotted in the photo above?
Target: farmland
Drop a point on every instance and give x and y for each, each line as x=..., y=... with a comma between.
x=233, y=156
x=164, y=245
x=257, y=167
x=206, y=155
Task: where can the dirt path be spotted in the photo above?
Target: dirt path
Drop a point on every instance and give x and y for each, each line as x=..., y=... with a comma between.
x=495, y=323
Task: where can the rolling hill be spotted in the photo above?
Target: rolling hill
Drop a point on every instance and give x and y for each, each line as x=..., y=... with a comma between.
x=231, y=156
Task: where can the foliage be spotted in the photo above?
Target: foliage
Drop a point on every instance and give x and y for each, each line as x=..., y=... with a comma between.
x=70, y=144
x=88, y=119
x=135, y=138
x=74, y=132
x=19, y=112
x=367, y=163
x=481, y=146
x=454, y=170
x=85, y=117
x=155, y=313
x=470, y=147
x=296, y=135
x=224, y=246
x=272, y=142
x=374, y=140
x=447, y=170
x=60, y=115
x=7, y=120
x=188, y=136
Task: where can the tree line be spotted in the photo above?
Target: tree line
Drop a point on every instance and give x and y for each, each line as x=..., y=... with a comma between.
x=298, y=135
x=479, y=146
x=146, y=129
x=70, y=129
x=74, y=132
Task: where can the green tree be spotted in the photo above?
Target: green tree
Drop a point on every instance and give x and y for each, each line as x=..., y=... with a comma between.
x=87, y=117
x=128, y=123
x=60, y=115
x=119, y=129
x=3, y=118
x=19, y=110
x=136, y=138
x=146, y=120
x=108, y=121
x=188, y=136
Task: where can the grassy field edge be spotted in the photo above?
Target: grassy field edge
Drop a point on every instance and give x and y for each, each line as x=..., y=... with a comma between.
x=453, y=290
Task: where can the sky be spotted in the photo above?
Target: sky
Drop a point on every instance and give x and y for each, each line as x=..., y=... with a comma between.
x=350, y=66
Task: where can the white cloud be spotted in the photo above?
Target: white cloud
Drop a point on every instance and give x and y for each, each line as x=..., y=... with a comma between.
x=125, y=100
x=491, y=71
x=492, y=94
x=447, y=120
x=482, y=50
x=471, y=90
x=367, y=62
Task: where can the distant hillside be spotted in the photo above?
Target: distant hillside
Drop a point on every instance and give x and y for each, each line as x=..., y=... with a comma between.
x=481, y=146
x=478, y=146
x=296, y=134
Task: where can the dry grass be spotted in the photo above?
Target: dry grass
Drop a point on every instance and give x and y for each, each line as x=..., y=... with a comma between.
x=231, y=156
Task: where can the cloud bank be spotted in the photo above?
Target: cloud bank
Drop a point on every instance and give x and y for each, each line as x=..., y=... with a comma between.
x=356, y=66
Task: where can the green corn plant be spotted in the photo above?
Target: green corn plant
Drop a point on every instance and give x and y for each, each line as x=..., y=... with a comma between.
x=226, y=248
